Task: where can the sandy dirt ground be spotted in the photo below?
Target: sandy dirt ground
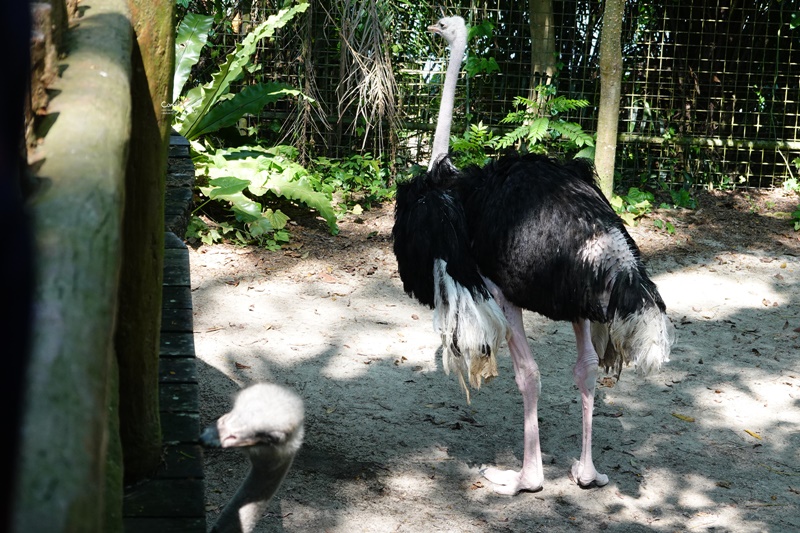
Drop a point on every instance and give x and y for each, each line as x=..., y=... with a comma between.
x=709, y=443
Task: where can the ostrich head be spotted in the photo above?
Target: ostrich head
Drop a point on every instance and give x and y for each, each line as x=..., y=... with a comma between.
x=266, y=423
x=265, y=416
x=454, y=31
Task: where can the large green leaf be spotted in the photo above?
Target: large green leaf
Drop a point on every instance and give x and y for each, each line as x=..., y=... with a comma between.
x=249, y=101
x=201, y=99
x=260, y=170
x=277, y=219
x=260, y=227
x=299, y=189
x=226, y=186
x=190, y=40
x=245, y=209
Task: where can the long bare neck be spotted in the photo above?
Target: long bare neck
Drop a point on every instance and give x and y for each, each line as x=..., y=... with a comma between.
x=244, y=510
x=441, y=139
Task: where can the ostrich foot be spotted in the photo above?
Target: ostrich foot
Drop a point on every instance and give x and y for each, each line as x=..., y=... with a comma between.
x=510, y=482
x=586, y=476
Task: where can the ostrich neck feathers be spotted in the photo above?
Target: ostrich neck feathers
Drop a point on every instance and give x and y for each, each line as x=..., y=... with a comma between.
x=441, y=139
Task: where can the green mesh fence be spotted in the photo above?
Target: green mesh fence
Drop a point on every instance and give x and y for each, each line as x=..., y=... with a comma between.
x=710, y=88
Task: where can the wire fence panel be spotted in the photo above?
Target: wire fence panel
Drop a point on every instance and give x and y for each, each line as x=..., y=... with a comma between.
x=710, y=93
x=710, y=88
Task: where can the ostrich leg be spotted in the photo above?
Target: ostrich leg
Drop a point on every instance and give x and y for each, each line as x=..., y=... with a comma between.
x=526, y=372
x=585, y=374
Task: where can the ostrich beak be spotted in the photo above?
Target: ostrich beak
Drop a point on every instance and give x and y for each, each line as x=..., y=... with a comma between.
x=434, y=29
x=210, y=437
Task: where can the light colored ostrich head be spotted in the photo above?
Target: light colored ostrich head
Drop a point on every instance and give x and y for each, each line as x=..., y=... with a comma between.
x=266, y=423
x=454, y=31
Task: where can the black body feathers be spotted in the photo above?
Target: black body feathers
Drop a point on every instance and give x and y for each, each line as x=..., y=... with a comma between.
x=541, y=230
x=430, y=224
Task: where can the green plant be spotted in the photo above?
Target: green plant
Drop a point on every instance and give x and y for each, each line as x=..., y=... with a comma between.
x=207, y=108
x=540, y=129
x=792, y=185
x=473, y=146
x=633, y=205
x=683, y=198
x=244, y=180
x=361, y=180
x=796, y=218
x=539, y=126
x=476, y=62
x=239, y=184
x=665, y=225
x=190, y=40
x=212, y=232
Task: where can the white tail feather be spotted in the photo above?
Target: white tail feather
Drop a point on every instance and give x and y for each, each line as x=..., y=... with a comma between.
x=644, y=338
x=472, y=329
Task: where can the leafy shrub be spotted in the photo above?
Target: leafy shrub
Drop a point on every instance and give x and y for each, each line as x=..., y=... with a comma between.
x=540, y=129
x=245, y=180
x=683, y=198
x=792, y=185
x=361, y=180
x=238, y=185
x=633, y=205
x=472, y=147
x=207, y=108
x=540, y=126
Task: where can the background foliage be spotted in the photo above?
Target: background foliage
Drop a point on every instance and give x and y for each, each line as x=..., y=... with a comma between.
x=709, y=89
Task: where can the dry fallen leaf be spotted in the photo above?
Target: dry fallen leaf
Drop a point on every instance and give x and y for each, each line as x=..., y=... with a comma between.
x=240, y=366
x=683, y=417
x=608, y=381
x=753, y=434
x=327, y=278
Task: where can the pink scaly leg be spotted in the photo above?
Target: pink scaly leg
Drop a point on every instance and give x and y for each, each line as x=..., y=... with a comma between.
x=526, y=371
x=585, y=374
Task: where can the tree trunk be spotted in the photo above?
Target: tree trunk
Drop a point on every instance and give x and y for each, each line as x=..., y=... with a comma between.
x=610, y=84
x=543, y=47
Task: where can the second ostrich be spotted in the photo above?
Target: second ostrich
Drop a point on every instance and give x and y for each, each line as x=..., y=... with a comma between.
x=524, y=232
x=266, y=423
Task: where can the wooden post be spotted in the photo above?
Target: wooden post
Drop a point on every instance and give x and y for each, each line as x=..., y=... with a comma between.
x=137, y=338
x=76, y=205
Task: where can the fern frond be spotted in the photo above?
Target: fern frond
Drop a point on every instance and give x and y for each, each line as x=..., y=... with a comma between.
x=560, y=104
x=572, y=132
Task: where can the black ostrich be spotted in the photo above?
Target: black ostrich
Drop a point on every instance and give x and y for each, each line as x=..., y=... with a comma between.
x=524, y=232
